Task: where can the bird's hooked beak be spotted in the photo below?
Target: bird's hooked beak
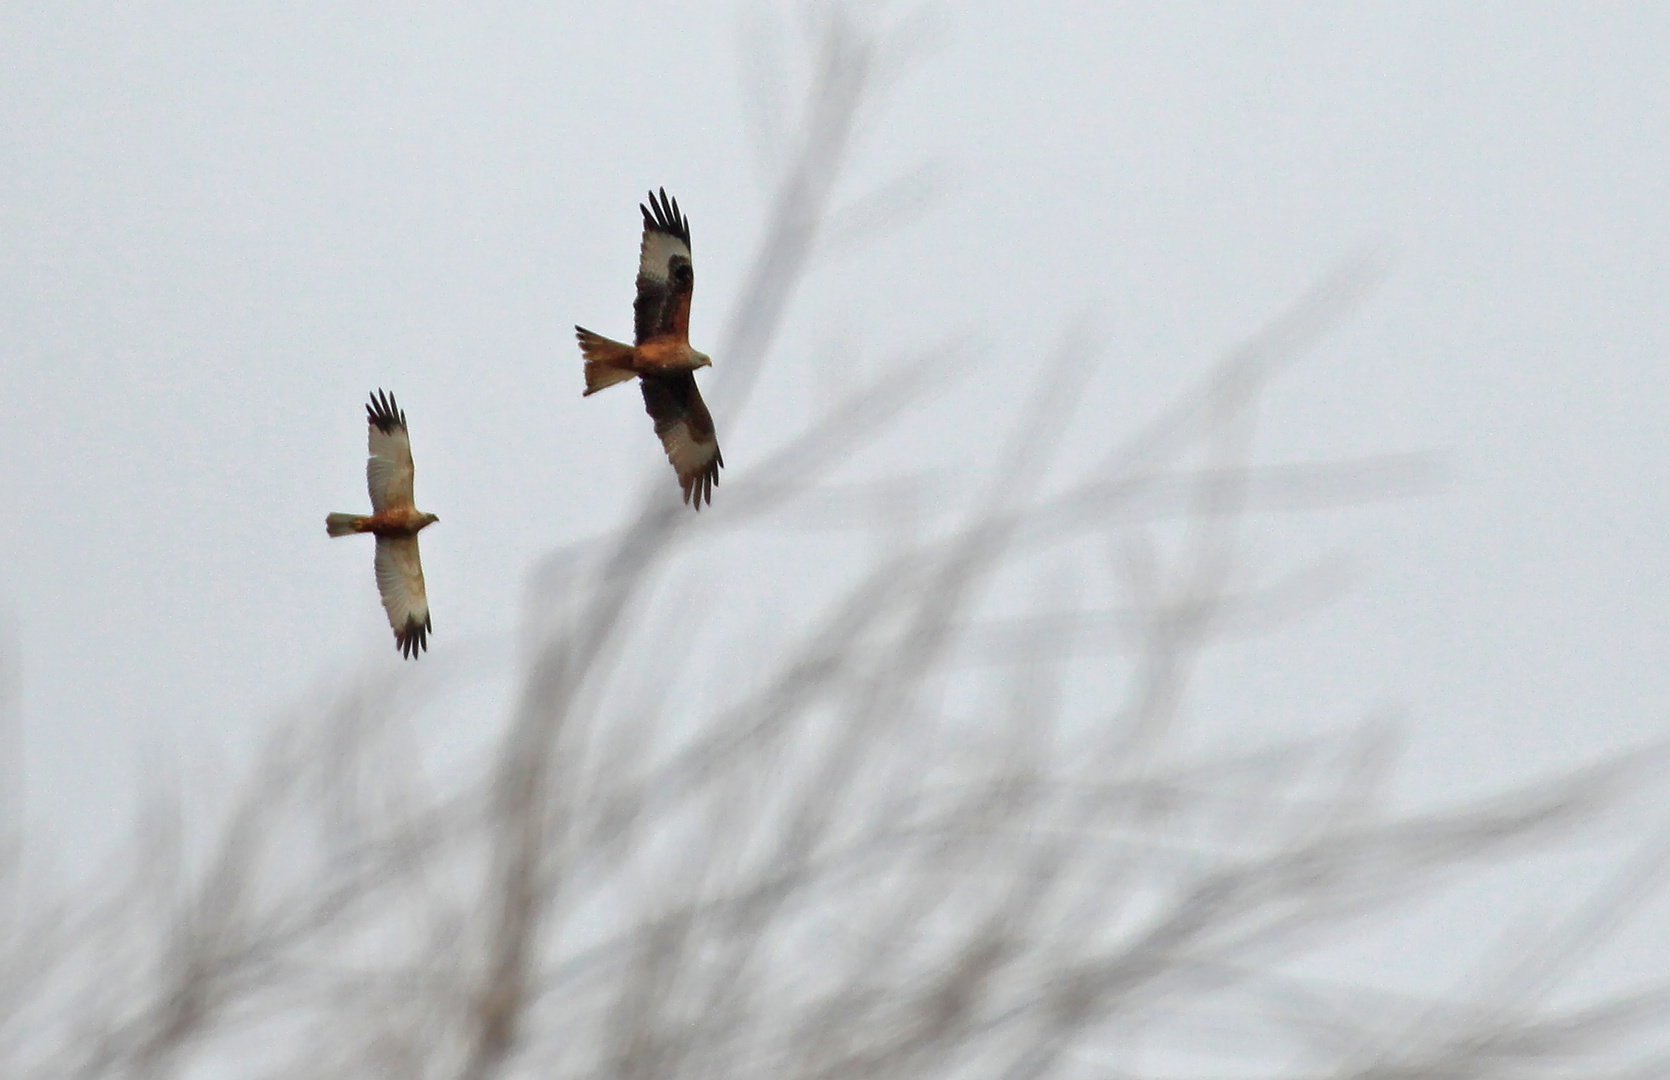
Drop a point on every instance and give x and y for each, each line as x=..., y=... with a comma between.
x=704, y=360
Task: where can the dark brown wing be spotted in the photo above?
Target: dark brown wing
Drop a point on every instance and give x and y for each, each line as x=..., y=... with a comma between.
x=666, y=276
x=686, y=429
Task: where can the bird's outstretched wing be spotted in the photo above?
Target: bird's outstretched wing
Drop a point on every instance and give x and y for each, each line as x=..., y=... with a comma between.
x=388, y=471
x=686, y=429
x=400, y=581
x=666, y=277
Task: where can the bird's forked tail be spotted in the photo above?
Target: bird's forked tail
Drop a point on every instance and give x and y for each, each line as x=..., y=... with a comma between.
x=607, y=362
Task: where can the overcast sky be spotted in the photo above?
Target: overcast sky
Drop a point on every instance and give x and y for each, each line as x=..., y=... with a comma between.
x=221, y=227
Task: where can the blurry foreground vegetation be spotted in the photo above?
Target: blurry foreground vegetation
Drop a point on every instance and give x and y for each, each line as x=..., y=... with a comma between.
x=829, y=876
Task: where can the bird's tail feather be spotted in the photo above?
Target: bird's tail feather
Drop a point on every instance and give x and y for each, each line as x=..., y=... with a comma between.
x=343, y=524
x=607, y=362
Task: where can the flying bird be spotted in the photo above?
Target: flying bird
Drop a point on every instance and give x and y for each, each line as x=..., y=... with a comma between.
x=396, y=523
x=660, y=355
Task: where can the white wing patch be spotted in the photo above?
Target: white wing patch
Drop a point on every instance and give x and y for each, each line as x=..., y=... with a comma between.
x=686, y=454
x=658, y=247
x=400, y=581
x=388, y=471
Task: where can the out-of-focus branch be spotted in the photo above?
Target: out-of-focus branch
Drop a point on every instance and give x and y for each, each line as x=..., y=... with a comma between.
x=524, y=879
x=940, y=827
x=847, y=53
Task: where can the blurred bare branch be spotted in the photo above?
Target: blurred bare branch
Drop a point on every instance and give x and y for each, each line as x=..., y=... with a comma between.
x=901, y=838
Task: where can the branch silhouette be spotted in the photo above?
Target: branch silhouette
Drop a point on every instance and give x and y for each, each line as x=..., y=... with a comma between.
x=905, y=844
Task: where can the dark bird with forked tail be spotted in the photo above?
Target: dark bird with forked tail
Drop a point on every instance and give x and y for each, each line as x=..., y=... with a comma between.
x=660, y=356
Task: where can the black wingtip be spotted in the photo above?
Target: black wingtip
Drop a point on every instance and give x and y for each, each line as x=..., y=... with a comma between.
x=384, y=413
x=413, y=638
x=663, y=215
x=700, y=488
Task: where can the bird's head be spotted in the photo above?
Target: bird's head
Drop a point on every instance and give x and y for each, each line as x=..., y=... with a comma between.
x=700, y=360
x=428, y=520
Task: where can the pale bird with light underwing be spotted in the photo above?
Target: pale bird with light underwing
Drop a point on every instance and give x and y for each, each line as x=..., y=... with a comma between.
x=396, y=521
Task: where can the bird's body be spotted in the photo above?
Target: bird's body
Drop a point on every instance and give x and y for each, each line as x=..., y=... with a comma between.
x=666, y=354
x=660, y=357
x=390, y=524
x=395, y=521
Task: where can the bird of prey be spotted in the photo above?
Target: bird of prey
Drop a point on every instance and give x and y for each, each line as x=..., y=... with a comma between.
x=396, y=523
x=660, y=354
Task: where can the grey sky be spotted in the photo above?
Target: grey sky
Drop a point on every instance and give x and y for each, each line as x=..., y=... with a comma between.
x=219, y=229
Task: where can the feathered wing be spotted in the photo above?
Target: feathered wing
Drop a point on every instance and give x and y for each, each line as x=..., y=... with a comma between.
x=388, y=471
x=666, y=277
x=686, y=430
x=400, y=581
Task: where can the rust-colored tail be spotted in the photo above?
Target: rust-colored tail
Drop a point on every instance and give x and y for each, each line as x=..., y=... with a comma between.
x=607, y=362
x=344, y=524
